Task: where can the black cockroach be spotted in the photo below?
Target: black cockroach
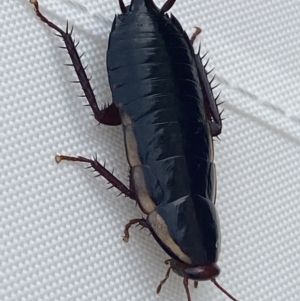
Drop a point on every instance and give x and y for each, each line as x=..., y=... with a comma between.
x=164, y=102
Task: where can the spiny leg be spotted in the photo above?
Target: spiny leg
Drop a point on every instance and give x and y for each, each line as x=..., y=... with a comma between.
x=139, y=221
x=214, y=117
x=102, y=172
x=112, y=180
x=109, y=115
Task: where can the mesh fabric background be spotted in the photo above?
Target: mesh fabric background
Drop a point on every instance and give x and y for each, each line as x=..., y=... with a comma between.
x=62, y=229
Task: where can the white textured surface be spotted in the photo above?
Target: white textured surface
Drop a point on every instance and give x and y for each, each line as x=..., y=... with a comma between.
x=61, y=228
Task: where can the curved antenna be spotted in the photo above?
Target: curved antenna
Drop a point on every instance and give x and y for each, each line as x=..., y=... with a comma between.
x=167, y=5
x=222, y=289
x=122, y=7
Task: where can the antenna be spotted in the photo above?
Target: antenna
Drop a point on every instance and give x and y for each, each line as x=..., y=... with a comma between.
x=222, y=289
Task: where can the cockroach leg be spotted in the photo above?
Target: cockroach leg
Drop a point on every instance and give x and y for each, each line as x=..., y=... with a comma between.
x=211, y=107
x=163, y=281
x=186, y=286
x=168, y=261
x=102, y=172
x=195, y=284
x=195, y=34
x=214, y=117
x=139, y=221
x=109, y=115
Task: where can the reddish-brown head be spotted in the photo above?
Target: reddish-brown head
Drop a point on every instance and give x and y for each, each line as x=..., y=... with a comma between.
x=196, y=273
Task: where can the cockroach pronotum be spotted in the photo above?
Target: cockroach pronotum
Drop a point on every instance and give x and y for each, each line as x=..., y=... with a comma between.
x=164, y=102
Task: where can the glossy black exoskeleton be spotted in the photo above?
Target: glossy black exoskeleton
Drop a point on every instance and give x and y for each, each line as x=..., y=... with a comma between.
x=164, y=101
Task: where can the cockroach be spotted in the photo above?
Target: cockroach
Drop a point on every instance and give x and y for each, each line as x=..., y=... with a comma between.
x=164, y=102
